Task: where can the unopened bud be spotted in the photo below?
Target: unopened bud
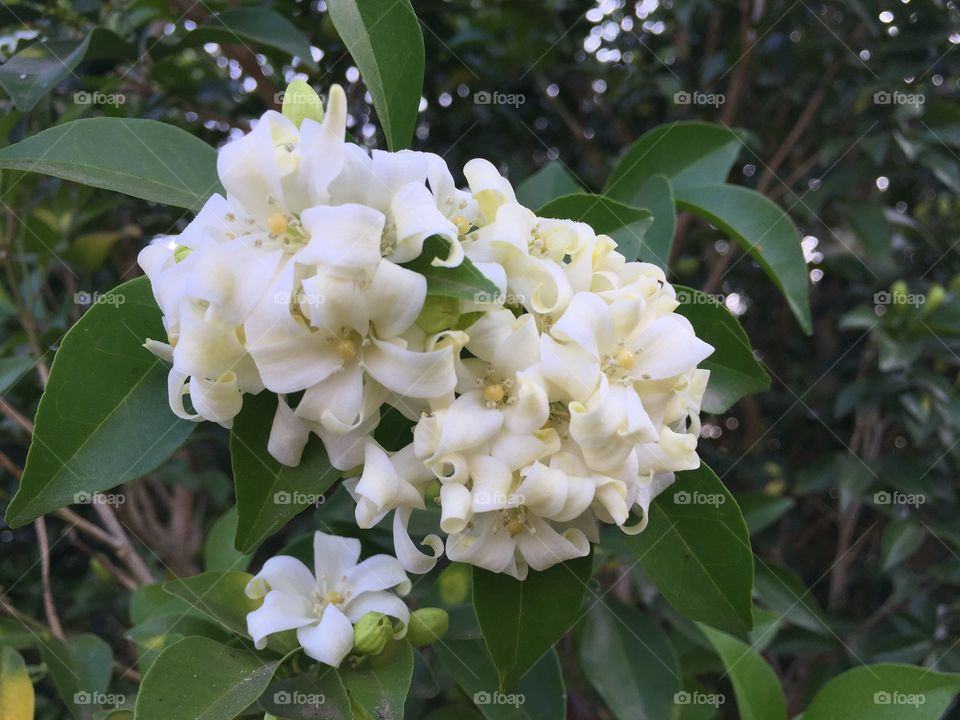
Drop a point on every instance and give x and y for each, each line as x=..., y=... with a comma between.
x=180, y=252
x=427, y=625
x=371, y=633
x=935, y=298
x=301, y=102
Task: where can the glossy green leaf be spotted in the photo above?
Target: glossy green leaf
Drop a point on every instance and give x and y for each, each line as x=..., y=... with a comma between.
x=251, y=26
x=761, y=511
x=869, y=222
x=158, y=633
x=696, y=550
x=270, y=494
x=755, y=684
x=656, y=194
x=689, y=154
x=541, y=694
x=80, y=668
x=219, y=596
x=780, y=589
x=384, y=39
x=734, y=371
x=200, y=679
x=39, y=68
x=465, y=281
x=546, y=184
x=104, y=418
x=521, y=620
x=381, y=683
x=629, y=661
x=624, y=224
x=143, y=158
x=16, y=690
x=315, y=695
x=886, y=691
x=764, y=230
x=219, y=552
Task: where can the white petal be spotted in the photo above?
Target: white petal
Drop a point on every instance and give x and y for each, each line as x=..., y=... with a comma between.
x=337, y=401
x=248, y=169
x=416, y=217
x=492, y=484
x=330, y=640
x=345, y=235
x=405, y=372
x=395, y=299
x=569, y=367
x=284, y=574
x=480, y=546
x=456, y=502
x=379, y=572
x=322, y=146
x=381, y=602
x=407, y=553
x=333, y=558
x=646, y=492
x=546, y=547
x=288, y=436
x=219, y=400
x=280, y=611
x=587, y=322
x=669, y=347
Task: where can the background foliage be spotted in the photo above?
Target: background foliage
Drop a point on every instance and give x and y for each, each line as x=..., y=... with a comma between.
x=846, y=470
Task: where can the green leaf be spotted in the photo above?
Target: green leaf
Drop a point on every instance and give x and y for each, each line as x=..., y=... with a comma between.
x=901, y=538
x=256, y=26
x=38, y=68
x=624, y=224
x=16, y=691
x=629, y=661
x=869, y=222
x=761, y=511
x=656, y=195
x=465, y=281
x=541, y=694
x=12, y=369
x=689, y=154
x=734, y=371
x=755, y=684
x=549, y=182
x=218, y=550
x=218, y=596
x=696, y=549
x=764, y=230
x=104, y=418
x=380, y=684
x=161, y=631
x=521, y=620
x=80, y=667
x=784, y=593
x=143, y=158
x=200, y=679
x=270, y=494
x=384, y=39
x=887, y=691
x=315, y=695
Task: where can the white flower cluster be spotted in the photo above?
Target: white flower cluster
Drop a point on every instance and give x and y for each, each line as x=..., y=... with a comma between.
x=568, y=400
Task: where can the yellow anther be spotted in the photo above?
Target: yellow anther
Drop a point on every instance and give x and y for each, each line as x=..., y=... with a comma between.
x=277, y=223
x=346, y=348
x=515, y=527
x=625, y=359
x=333, y=598
x=494, y=393
x=463, y=225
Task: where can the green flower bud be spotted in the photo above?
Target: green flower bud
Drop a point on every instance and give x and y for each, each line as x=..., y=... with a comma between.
x=300, y=101
x=899, y=290
x=935, y=298
x=371, y=633
x=427, y=625
x=180, y=252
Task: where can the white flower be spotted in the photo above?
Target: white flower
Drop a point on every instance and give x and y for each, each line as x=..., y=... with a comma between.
x=323, y=605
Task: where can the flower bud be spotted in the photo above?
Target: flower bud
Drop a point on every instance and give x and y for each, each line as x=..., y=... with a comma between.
x=300, y=101
x=899, y=291
x=371, y=633
x=935, y=297
x=427, y=625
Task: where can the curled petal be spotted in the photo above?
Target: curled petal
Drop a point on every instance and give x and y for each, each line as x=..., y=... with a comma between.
x=330, y=640
x=407, y=553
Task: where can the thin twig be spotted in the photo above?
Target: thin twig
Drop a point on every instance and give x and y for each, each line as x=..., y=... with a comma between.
x=48, y=605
